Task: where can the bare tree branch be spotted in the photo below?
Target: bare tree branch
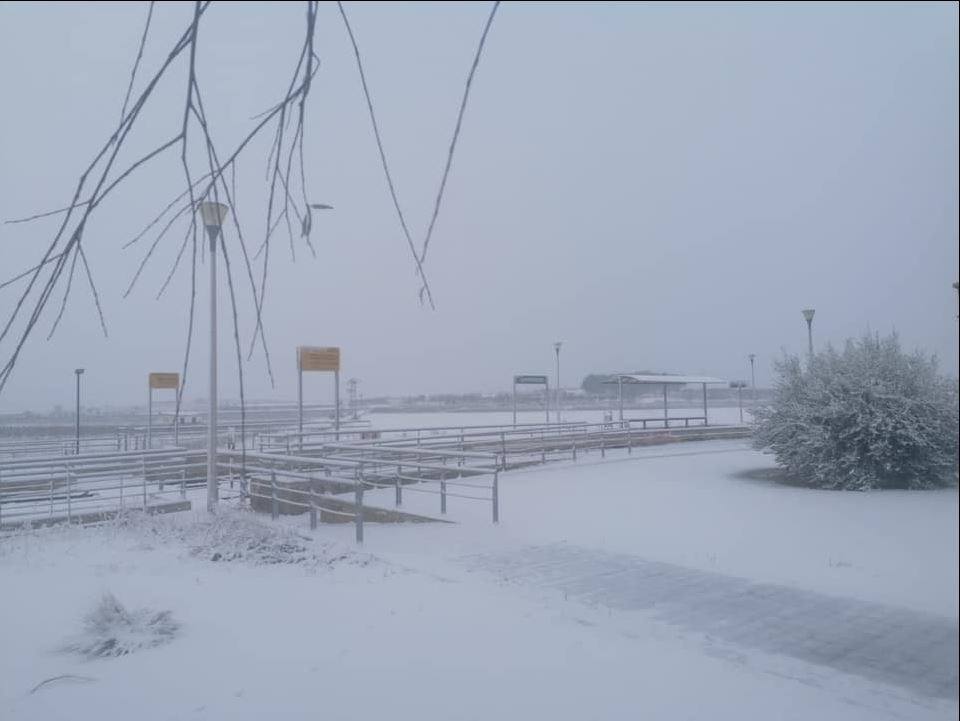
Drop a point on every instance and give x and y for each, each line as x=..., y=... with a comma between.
x=456, y=134
x=383, y=155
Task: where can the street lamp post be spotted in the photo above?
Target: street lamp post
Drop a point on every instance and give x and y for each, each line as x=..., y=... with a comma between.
x=753, y=378
x=808, y=316
x=212, y=215
x=78, y=372
x=556, y=347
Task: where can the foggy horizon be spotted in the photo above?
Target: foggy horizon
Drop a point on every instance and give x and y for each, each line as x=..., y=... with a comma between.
x=660, y=187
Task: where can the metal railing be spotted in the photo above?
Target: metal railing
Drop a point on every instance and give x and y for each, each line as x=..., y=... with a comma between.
x=135, y=438
x=47, y=490
x=293, y=484
x=506, y=441
x=94, y=487
x=326, y=479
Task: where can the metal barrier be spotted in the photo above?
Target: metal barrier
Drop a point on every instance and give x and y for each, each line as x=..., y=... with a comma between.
x=291, y=484
x=463, y=464
x=53, y=489
x=135, y=438
x=515, y=443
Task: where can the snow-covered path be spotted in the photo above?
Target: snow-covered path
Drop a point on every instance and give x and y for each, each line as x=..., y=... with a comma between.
x=910, y=649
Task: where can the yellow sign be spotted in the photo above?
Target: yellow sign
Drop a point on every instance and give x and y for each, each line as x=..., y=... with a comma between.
x=165, y=380
x=312, y=358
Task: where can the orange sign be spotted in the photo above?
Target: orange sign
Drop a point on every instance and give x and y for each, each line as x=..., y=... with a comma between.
x=312, y=358
x=165, y=380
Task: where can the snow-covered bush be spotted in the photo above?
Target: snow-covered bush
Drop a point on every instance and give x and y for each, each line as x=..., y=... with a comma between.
x=112, y=630
x=868, y=417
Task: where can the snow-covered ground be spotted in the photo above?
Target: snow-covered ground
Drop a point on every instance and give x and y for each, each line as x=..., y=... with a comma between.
x=424, y=623
x=688, y=504
x=454, y=419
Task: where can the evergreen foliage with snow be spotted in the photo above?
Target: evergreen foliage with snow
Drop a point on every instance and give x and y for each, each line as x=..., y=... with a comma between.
x=870, y=416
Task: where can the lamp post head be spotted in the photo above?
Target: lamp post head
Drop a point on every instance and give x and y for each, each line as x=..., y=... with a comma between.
x=212, y=215
x=808, y=314
x=321, y=206
x=556, y=346
x=78, y=371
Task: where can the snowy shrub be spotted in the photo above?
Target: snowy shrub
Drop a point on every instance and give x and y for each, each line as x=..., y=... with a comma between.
x=112, y=630
x=234, y=535
x=868, y=417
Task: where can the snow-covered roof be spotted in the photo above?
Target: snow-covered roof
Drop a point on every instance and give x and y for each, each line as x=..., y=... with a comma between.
x=662, y=378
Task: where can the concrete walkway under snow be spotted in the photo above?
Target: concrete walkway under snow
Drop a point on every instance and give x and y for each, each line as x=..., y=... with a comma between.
x=910, y=649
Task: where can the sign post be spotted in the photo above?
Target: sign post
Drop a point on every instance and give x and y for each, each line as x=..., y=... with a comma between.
x=313, y=358
x=739, y=385
x=531, y=380
x=161, y=381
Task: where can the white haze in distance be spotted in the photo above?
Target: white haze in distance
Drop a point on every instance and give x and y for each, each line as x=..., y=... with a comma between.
x=660, y=186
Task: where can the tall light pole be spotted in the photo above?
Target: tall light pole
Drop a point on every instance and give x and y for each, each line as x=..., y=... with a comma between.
x=753, y=377
x=556, y=347
x=78, y=372
x=212, y=215
x=808, y=316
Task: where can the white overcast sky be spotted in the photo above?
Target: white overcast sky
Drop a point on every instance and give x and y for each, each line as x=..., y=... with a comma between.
x=659, y=186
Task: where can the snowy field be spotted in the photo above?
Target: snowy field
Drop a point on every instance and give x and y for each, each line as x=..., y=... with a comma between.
x=452, y=419
x=475, y=621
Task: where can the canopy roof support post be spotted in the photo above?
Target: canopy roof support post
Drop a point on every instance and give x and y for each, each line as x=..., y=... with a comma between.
x=620, y=395
x=705, y=405
x=666, y=421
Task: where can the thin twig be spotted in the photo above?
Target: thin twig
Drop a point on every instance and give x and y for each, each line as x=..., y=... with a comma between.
x=383, y=155
x=456, y=134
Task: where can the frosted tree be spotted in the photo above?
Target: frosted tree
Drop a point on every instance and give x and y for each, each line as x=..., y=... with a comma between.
x=868, y=417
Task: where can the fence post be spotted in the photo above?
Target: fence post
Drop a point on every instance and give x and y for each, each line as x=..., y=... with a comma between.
x=629, y=439
x=443, y=490
x=496, y=496
x=313, y=505
x=603, y=445
x=574, y=450
x=183, y=483
x=274, y=503
x=143, y=465
x=51, y=494
x=69, y=502
x=1, y=499
x=503, y=447
x=358, y=511
x=398, y=501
